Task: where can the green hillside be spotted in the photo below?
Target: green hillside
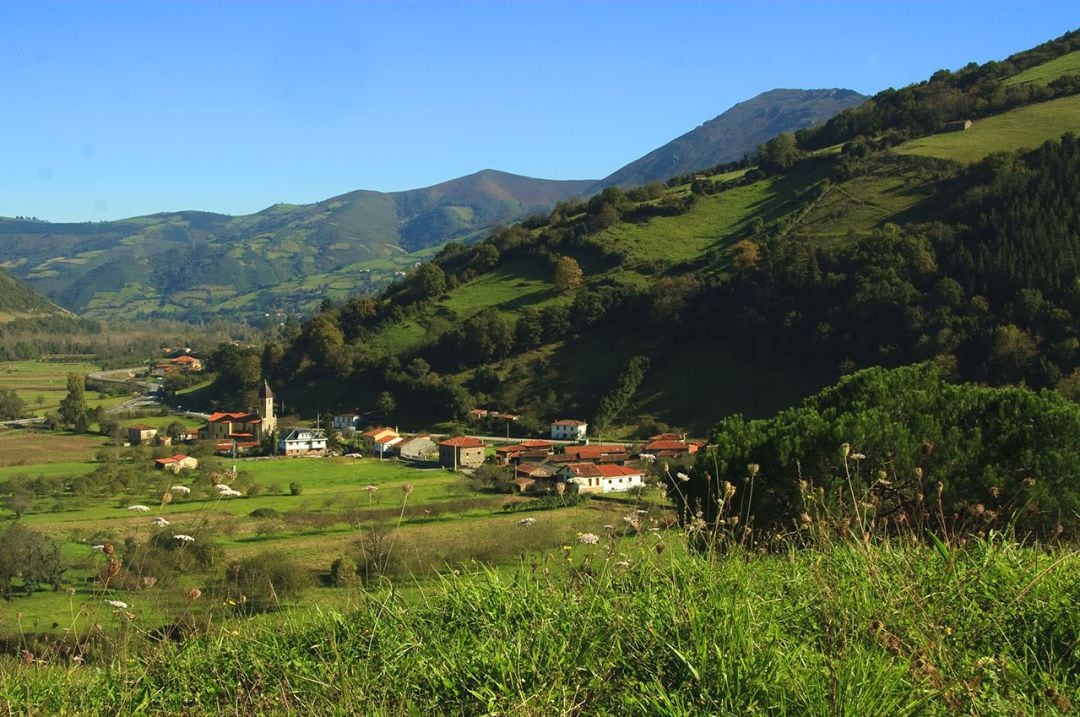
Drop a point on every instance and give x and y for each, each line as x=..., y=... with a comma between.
x=743, y=291
x=19, y=301
x=284, y=259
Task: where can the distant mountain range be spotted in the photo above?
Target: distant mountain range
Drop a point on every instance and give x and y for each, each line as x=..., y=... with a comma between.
x=727, y=137
x=287, y=258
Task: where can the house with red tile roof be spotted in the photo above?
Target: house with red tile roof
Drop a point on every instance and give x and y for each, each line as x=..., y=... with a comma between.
x=602, y=478
x=462, y=452
x=243, y=430
x=668, y=448
x=568, y=429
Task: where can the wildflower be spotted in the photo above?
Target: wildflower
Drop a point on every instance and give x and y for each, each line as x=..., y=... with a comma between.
x=113, y=569
x=729, y=490
x=882, y=477
x=140, y=508
x=804, y=487
x=371, y=488
x=70, y=592
x=845, y=449
x=194, y=594
x=639, y=511
x=184, y=538
x=1029, y=482
x=99, y=547
x=221, y=487
x=166, y=498
x=806, y=519
x=622, y=564
x=608, y=526
x=682, y=476
x=918, y=472
x=526, y=521
x=940, y=488
x=588, y=538
x=118, y=604
x=752, y=469
x=159, y=522
x=181, y=489
x=858, y=456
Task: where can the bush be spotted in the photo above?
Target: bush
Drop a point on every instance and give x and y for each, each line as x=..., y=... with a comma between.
x=343, y=572
x=295, y=488
x=263, y=582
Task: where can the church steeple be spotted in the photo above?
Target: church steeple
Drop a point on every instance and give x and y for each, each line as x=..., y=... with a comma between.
x=266, y=408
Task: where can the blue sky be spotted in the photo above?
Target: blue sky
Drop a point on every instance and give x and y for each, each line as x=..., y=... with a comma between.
x=115, y=109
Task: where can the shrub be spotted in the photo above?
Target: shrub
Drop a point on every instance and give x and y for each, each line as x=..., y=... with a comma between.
x=263, y=582
x=343, y=572
x=295, y=488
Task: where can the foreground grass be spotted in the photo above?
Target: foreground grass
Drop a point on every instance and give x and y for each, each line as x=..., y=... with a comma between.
x=626, y=628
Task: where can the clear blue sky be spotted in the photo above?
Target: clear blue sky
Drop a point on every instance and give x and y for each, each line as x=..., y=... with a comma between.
x=113, y=109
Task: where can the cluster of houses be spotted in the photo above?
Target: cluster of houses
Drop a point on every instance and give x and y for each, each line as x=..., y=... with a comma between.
x=176, y=361
x=538, y=465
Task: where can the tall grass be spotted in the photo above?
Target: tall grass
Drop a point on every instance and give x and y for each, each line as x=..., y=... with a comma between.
x=636, y=624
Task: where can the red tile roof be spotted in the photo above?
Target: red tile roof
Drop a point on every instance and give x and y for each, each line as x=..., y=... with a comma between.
x=219, y=416
x=463, y=442
x=666, y=437
x=666, y=445
x=535, y=444
x=612, y=471
x=185, y=359
x=584, y=470
x=568, y=422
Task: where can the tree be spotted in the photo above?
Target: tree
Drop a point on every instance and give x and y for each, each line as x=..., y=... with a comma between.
x=779, y=153
x=427, y=282
x=568, y=274
x=29, y=555
x=73, y=407
x=11, y=406
x=385, y=403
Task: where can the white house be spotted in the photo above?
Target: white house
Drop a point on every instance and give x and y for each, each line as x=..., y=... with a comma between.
x=299, y=441
x=604, y=478
x=344, y=421
x=568, y=429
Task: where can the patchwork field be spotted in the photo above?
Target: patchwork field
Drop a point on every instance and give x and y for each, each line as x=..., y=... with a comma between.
x=42, y=385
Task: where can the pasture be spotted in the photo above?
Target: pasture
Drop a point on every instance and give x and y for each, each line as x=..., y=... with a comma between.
x=1023, y=128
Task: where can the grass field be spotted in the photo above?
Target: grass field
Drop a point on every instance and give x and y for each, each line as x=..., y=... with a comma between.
x=42, y=385
x=1043, y=74
x=27, y=447
x=1023, y=128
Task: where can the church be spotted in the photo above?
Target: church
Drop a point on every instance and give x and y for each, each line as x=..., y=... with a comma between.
x=244, y=430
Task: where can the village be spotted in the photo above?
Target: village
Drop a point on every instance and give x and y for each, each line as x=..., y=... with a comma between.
x=565, y=460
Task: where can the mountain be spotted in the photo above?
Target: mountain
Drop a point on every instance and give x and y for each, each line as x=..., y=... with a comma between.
x=875, y=238
x=192, y=264
x=17, y=300
x=733, y=134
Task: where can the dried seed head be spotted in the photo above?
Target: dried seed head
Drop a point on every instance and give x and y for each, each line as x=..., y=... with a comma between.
x=194, y=594
x=113, y=569
x=845, y=449
x=1029, y=482
x=995, y=491
x=167, y=498
x=407, y=488
x=108, y=549
x=752, y=469
x=918, y=472
x=940, y=488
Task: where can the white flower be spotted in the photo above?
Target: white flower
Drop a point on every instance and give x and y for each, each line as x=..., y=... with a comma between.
x=858, y=456
x=182, y=489
x=140, y=508
x=160, y=522
x=641, y=512
x=609, y=526
x=118, y=604
x=622, y=564
x=371, y=488
x=184, y=538
x=222, y=487
x=682, y=476
x=526, y=521
x=230, y=493
x=588, y=538
x=99, y=547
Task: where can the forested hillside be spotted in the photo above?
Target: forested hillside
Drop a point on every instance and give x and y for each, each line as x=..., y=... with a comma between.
x=17, y=300
x=742, y=290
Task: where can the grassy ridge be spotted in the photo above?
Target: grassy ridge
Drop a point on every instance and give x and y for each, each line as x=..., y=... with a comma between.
x=621, y=628
x=1045, y=73
x=1022, y=128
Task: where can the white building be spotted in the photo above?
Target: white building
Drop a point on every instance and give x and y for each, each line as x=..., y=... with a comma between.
x=568, y=429
x=344, y=421
x=299, y=441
